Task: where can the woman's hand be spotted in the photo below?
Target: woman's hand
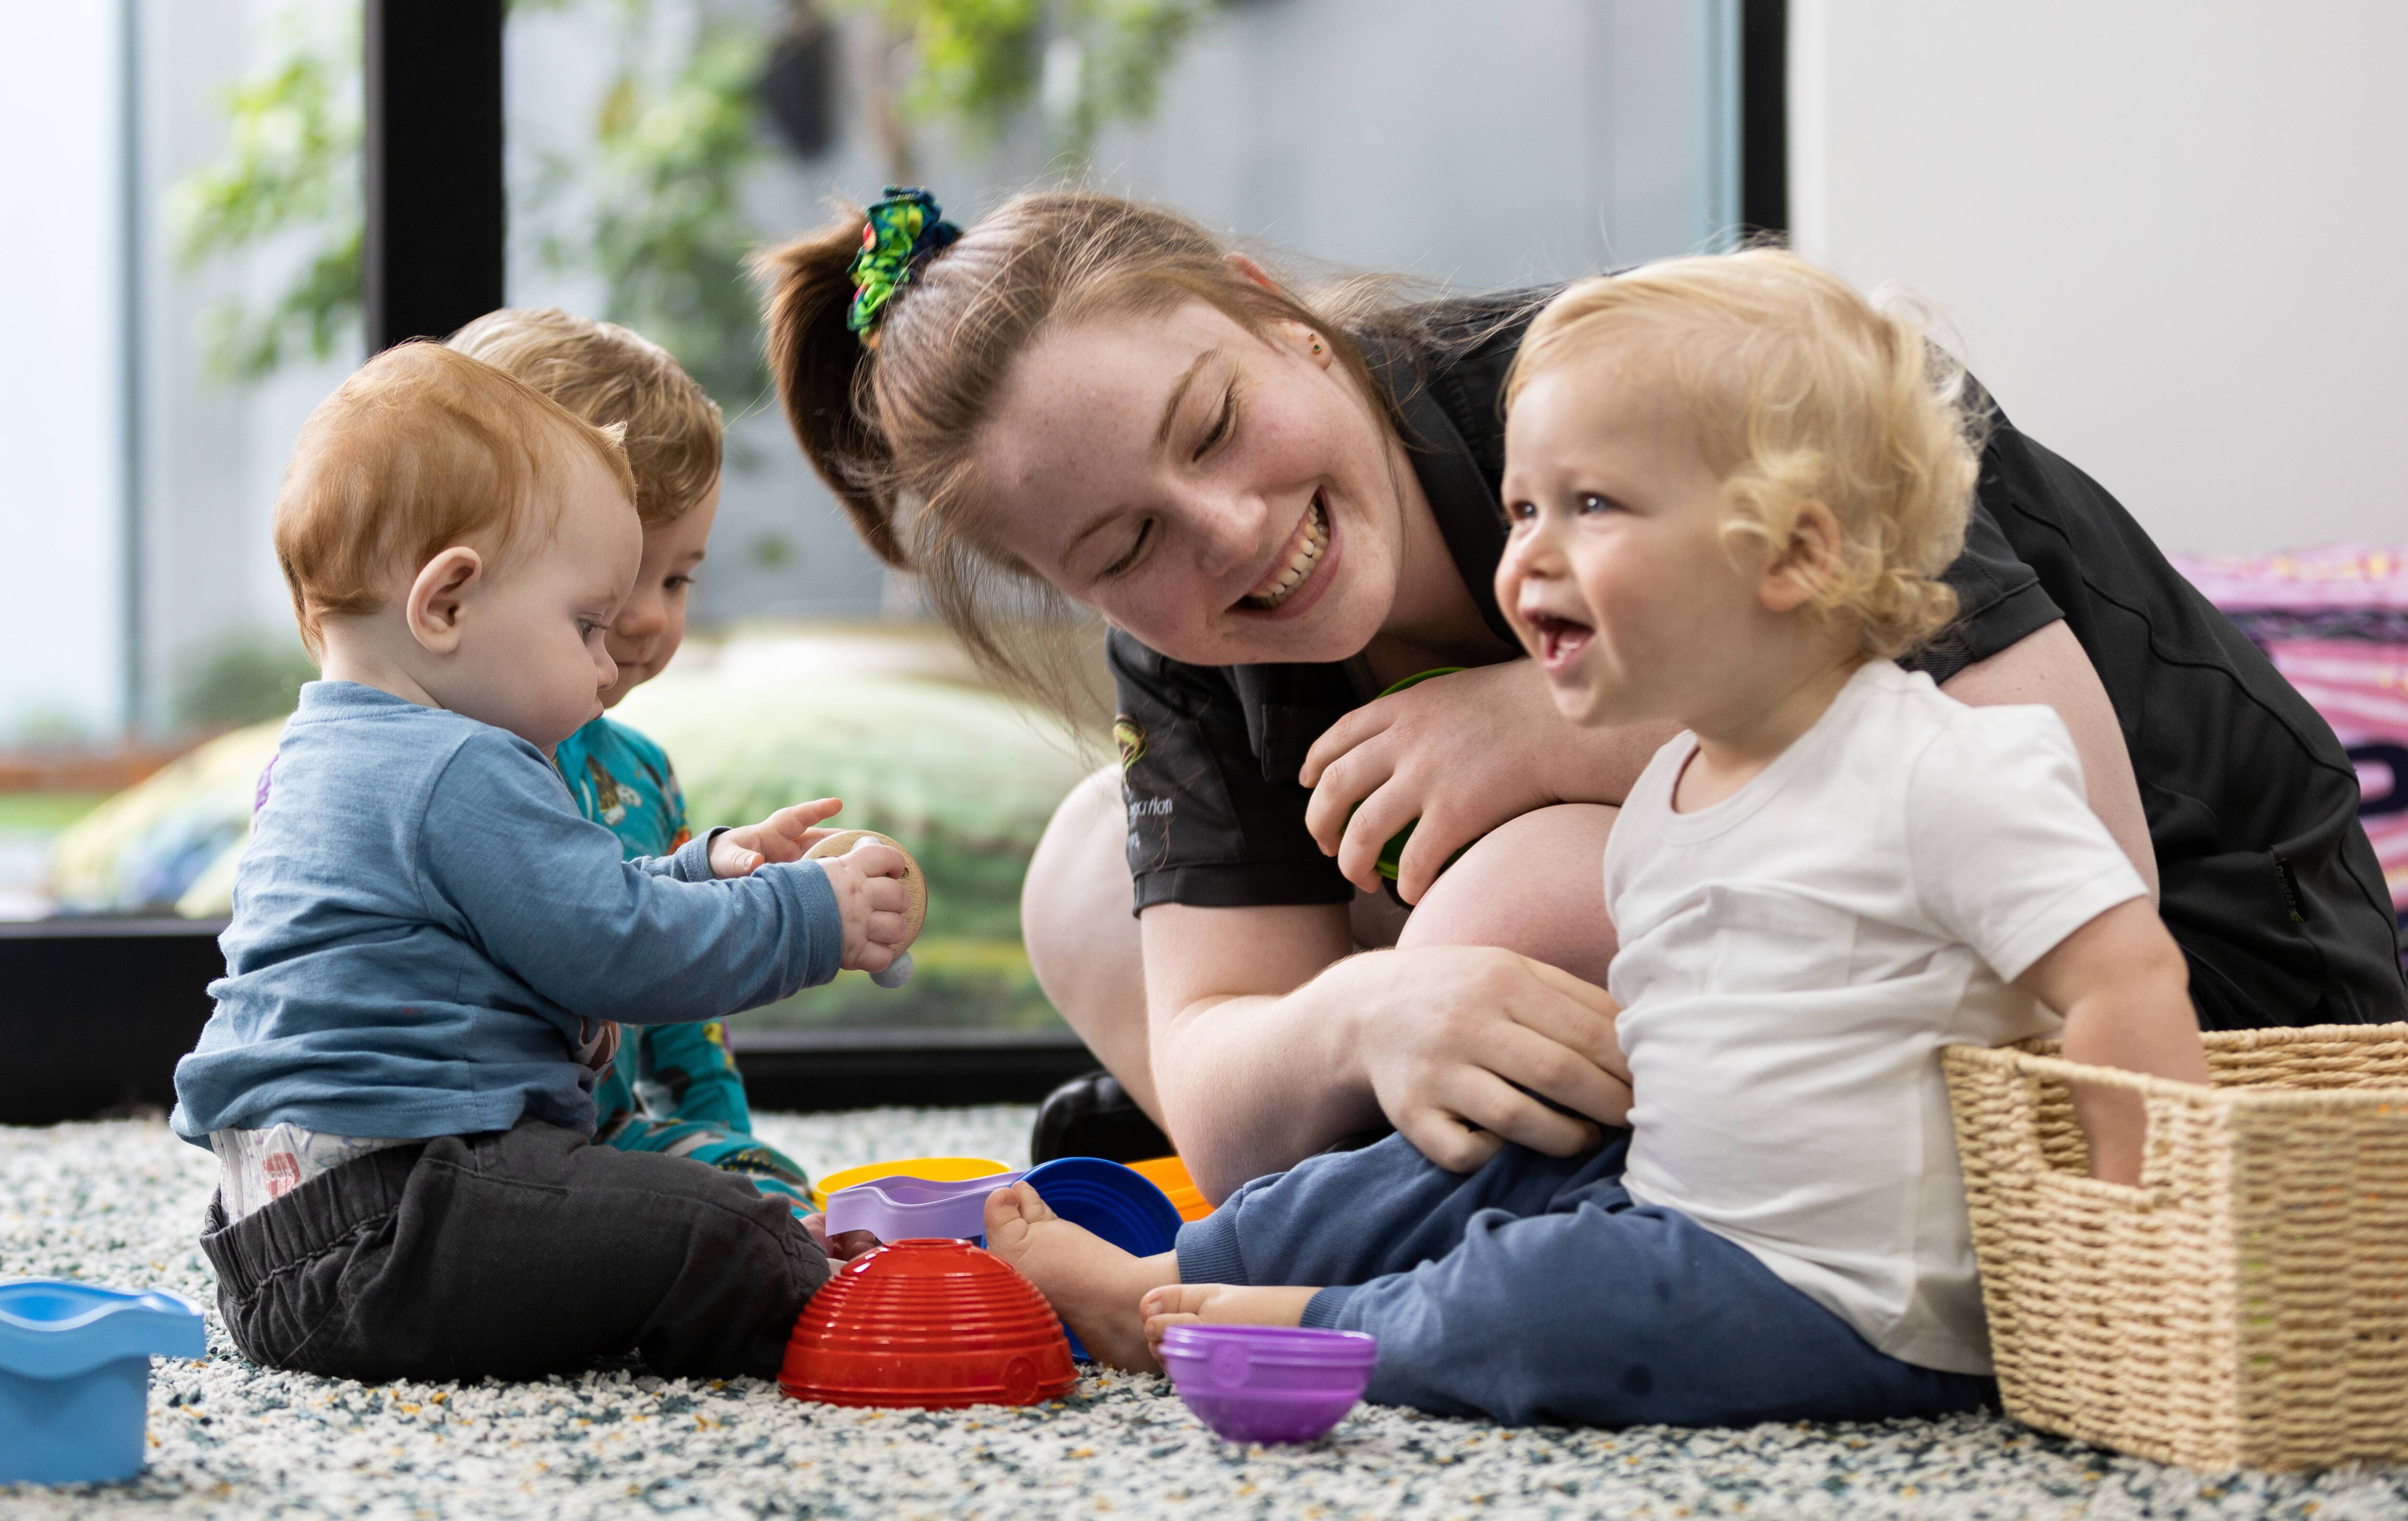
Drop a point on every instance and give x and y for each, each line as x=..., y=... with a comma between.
x=1269, y=1042
x=1469, y=1047
x=1461, y=754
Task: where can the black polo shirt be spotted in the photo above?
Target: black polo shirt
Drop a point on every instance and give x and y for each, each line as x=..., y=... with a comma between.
x=2268, y=883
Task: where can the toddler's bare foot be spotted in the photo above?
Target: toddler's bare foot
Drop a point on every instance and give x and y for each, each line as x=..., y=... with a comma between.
x=1091, y=1283
x=1220, y=1304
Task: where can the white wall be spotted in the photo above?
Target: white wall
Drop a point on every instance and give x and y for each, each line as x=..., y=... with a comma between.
x=2170, y=232
x=60, y=386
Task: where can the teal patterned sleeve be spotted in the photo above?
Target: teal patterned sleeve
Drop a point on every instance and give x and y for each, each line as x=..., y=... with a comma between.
x=623, y=779
x=685, y=1073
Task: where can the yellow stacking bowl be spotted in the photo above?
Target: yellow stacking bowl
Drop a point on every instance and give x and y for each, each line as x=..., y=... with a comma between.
x=933, y=1168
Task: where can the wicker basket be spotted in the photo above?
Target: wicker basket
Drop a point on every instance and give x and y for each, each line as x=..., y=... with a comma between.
x=2246, y=1305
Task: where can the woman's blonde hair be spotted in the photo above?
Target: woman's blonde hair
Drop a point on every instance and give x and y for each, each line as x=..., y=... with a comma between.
x=608, y=374
x=1798, y=389
x=892, y=431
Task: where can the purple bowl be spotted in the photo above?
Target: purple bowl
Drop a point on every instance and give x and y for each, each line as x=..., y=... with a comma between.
x=907, y=1209
x=1269, y=1383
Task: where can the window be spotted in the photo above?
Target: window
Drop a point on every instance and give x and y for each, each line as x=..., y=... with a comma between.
x=197, y=161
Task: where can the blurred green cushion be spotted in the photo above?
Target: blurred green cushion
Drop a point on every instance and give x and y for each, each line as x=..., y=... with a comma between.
x=965, y=779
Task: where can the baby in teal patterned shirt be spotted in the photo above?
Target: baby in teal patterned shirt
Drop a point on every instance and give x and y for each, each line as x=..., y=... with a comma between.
x=671, y=1089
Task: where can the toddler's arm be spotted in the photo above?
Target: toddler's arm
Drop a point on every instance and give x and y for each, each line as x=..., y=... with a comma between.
x=2123, y=987
x=783, y=836
x=544, y=893
x=867, y=881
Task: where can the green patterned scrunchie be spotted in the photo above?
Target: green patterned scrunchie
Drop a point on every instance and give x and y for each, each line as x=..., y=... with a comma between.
x=905, y=229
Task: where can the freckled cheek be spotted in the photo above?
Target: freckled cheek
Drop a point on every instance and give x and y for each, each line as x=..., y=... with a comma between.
x=1283, y=450
x=1148, y=611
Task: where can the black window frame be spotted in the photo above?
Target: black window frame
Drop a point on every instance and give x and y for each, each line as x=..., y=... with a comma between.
x=433, y=259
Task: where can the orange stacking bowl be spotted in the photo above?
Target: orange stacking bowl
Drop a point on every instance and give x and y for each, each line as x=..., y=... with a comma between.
x=1170, y=1174
x=930, y=1324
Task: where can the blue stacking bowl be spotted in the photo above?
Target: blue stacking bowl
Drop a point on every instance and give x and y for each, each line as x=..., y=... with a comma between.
x=75, y=1376
x=1115, y=1202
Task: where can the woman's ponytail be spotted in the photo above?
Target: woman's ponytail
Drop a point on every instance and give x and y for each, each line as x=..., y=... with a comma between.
x=818, y=364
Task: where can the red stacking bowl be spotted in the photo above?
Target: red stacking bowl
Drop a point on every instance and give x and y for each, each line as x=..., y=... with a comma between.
x=930, y=1324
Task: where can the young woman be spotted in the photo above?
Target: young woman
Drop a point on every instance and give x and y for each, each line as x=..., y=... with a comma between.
x=1285, y=502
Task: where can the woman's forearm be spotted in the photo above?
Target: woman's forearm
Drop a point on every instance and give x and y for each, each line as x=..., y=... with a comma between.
x=1586, y=765
x=1253, y=1085
x=1270, y=1041
x=1600, y=766
x=1253, y=1066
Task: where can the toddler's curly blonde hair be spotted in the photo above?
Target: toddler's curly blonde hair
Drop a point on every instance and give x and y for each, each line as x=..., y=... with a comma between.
x=1798, y=389
x=606, y=374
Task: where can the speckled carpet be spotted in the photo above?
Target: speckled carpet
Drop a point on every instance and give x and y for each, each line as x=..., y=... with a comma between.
x=118, y=1203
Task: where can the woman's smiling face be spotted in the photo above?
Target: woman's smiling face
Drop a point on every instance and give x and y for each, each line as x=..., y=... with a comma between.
x=1227, y=499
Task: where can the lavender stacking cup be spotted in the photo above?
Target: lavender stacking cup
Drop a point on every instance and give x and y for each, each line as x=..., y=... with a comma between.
x=901, y=1209
x=1269, y=1383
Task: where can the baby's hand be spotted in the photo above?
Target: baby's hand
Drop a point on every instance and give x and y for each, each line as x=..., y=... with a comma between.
x=870, y=895
x=783, y=836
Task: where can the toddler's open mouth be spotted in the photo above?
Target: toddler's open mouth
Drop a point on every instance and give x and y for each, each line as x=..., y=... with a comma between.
x=1560, y=640
x=1296, y=564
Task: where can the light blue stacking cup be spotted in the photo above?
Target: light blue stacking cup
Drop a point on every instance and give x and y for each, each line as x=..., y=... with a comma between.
x=75, y=1376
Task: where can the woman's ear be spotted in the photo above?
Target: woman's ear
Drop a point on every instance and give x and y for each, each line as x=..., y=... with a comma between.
x=1805, y=564
x=1307, y=342
x=1249, y=271
x=437, y=595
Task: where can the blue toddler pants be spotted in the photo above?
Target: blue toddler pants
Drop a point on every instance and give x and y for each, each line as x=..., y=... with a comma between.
x=1537, y=1289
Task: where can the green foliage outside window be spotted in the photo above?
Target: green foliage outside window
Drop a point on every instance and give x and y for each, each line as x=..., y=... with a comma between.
x=981, y=63
x=1128, y=46
x=665, y=172
x=239, y=679
x=290, y=166
x=662, y=179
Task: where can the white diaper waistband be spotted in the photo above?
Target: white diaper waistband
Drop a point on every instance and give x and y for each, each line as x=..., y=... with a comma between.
x=256, y=1167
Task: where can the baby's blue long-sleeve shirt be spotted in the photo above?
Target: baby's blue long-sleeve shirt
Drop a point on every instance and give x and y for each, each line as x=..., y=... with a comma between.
x=425, y=930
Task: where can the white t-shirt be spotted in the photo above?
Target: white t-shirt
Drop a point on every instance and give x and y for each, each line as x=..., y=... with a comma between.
x=1793, y=958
